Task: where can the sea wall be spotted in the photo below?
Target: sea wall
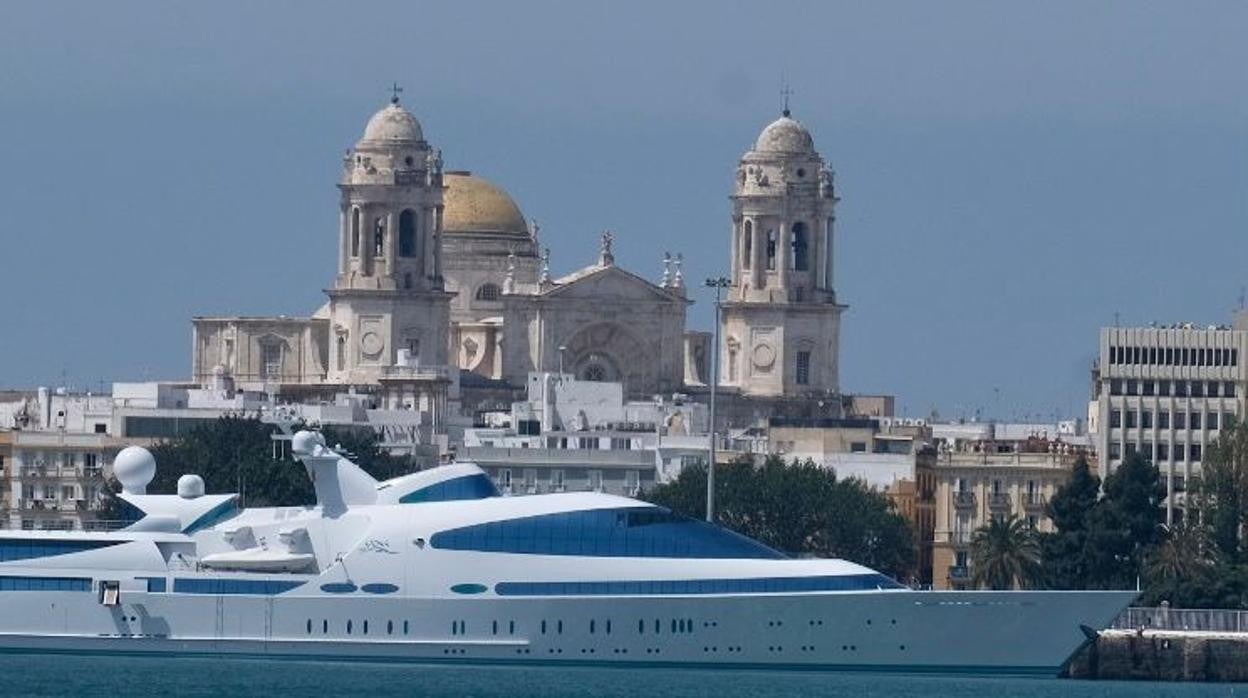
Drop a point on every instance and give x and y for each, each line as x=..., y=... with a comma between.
x=1163, y=656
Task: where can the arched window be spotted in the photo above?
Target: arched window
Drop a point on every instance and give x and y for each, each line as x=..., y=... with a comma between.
x=407, y=233
x=488, y=292
x=379, y=237
x=595, y=372
x=771, y=249
x=407, y=281
x=748, y=254
x=355, y=232
x=801, y=247
x=342, y=352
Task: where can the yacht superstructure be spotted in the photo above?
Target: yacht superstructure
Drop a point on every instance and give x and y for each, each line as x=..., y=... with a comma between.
x=437, y=566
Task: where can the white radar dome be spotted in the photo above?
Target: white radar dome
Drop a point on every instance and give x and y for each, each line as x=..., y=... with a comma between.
x=134, y=468
x=190, y=486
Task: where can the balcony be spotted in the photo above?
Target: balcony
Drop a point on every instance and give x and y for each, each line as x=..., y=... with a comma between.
x=959, y=573
x=963, y=499
x=1033, y=500
x=961, y=538
x=999, y=500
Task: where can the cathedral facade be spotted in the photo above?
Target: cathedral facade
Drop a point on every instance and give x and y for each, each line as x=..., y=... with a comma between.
x=440, y=277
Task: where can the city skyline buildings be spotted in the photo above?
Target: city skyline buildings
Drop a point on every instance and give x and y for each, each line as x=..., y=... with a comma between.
x=985, y=239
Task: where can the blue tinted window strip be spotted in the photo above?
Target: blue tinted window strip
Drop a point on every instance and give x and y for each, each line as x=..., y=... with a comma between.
x=214, y=516
x=476, y=486
x=33, y=548
x=155, y=585
x=625, y=532
x=257, y=587
x=760, y=585
x=45, y=584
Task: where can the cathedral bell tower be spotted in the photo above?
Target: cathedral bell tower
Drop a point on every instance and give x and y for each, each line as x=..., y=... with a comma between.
x=781, y=322
x=388, y=294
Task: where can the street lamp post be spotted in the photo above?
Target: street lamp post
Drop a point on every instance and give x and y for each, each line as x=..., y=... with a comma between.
x=719, y=284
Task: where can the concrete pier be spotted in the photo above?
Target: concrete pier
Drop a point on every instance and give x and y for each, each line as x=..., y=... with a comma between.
x=1163, y=655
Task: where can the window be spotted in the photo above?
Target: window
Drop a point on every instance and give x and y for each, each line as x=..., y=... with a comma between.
x=632, y=481
x=758, y=585
x=1194, y=453
x=858, y=447
x=771, y=250
x=1211, y=388
x=1228, y=389
x=101, y=428
x=1163, y=388
x=594, y=372
x=1180, y=388
x=504, y=479
x=1115, y=450
x=261, y=587
x=595, y=480
x=1211, y=421
x=1163, y=452
x=1115, y=387
x=1180, y=420
x=45, y=584
x=20, y=549
x=407, y=233
x=1115, y=419
x=355, y=232
x=1146, y=388
x=1197, y=389
x=488, y=292
x=271, y=360
x=623, y=532
x=379, y=237
x=530, y=480
x=476, y=486
x=1193, y=420
x=803, y=368
x=1131, y=419
x=407, y=281
x=801, y=248
x=1133, y=387
x=1146, y=419
x=556, y=480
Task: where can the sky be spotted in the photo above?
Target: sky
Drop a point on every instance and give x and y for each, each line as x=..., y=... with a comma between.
x=1013, y=176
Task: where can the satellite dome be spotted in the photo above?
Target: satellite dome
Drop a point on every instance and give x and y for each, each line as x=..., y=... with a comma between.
x=190, y=486
x=134, y=468
x=306, y=443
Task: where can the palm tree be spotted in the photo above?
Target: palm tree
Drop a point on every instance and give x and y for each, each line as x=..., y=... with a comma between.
x=1005, y=554
x=1181, y=557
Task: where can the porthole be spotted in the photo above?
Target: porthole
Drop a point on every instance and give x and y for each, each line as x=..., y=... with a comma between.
x=309, y=626
x=348, y=627
x=365, y=627
x=389, y=627
x=325, y=627
x=404, y=627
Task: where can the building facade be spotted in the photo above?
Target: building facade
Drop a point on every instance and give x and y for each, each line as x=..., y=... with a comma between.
x=985, y=471
x=1166, y=393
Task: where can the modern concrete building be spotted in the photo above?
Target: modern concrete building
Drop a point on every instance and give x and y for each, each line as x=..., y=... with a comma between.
x=1166, y=392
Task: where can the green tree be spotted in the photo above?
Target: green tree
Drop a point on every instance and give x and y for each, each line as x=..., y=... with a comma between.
x=1222, y=493
x=1063, y=551
x=1005, y=554
x=799, y=508
x=1180, y=570
x=1124, y=526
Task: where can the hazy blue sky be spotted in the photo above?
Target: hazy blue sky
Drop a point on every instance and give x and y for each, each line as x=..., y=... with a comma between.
x=1012, y=174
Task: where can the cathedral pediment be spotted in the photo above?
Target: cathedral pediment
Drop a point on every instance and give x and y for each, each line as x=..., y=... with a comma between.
x=610, y=281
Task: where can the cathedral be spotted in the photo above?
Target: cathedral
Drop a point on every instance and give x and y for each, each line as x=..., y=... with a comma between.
x=443, y=285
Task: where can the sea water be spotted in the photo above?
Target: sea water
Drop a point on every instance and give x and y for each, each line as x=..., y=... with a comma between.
x=102, y=675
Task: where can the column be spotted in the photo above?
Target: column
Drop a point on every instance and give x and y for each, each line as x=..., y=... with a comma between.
x=344, y=239
x=426, y=241
x=828, y=257
x=437, y=243
x=392, y=245
x=760, y=253
x=784, y=250
x=735, y=249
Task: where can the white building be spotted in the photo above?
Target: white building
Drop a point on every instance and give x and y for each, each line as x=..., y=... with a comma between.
x=1166, y=392
x=571, y=435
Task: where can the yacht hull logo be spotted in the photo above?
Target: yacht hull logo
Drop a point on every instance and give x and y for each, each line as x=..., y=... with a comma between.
x=376, y=545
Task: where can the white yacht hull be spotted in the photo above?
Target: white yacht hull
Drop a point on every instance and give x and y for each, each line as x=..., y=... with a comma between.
x=974, y=632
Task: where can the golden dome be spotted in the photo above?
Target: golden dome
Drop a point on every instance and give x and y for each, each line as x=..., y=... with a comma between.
x=476, y=205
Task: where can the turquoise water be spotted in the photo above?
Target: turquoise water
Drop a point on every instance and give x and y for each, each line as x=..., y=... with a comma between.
x=81, y=676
